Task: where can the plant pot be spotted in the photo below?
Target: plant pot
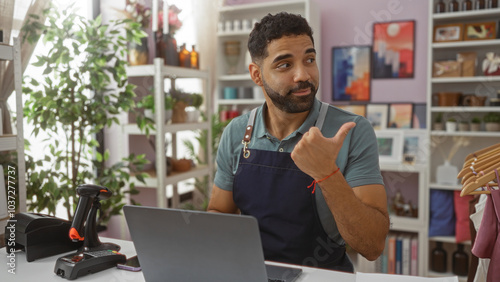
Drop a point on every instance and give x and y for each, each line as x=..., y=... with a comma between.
x=492, y=126
x=475, y=127
x=181, y=165
x=193, y=115
x=179, y=112
x=451, y=126
x=168, y=115
x=149, y=114
x=463, y=127
x=438, y=126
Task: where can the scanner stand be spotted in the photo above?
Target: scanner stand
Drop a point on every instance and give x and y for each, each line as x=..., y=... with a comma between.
x=93, y=256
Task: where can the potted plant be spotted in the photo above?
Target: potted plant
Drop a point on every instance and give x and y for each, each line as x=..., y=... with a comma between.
x=148, y=104
x=83, y=90
x=451, y=125
x=475, y=124
x=463, y=125
x=492, y=121
x=193, y=111
x=438, y=122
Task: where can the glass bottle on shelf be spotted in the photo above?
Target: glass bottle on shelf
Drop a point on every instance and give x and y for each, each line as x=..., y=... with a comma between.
x=460, y=261
x=491, y=4
x=467, y=5
x=184, y=57
x=480, y=4
x=438, y=258
x=195, y=58
x=453, y=6
x=440, y=7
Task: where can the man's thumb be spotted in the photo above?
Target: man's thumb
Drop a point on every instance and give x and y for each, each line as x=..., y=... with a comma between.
x=343, y=131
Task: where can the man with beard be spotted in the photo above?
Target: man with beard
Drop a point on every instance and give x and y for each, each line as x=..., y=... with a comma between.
x=307, y=171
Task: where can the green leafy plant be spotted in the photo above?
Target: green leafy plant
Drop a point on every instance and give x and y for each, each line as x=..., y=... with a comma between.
x=492, y=117
x=197, y=100
x=439, y=118
x=201, y=184
x=476, y=120
x=83, y=89
x=452, y=120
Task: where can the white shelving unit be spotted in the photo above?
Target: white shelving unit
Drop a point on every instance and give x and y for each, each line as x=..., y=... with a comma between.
x=479, y=85
x=158, y=180
x=15, y=142
x=251, y=12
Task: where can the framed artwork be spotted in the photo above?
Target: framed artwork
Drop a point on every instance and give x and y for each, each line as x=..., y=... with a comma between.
x=393, y=49
x=400, y=115
x=355, y=109
x=419, y=116
x=480, y=31
x=351, y=73
x=415, y=146
x=448, y=32
x=390, y=145
x=377, y=115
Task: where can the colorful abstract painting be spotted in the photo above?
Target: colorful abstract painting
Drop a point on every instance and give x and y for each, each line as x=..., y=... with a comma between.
x=393, y=49
x=351, y=73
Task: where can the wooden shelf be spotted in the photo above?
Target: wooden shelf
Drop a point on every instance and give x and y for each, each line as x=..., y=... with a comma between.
x=167, y=72
x=464, y=15
x=437, y=186
x=467, y=44
x=235, y=77
x=241, y=101
x=448, y=239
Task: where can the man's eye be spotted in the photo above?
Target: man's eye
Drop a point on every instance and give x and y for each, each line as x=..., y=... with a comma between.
x=311, y=60
x=283, y=66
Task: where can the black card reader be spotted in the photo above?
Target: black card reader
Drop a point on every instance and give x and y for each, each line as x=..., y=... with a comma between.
x=82, y=263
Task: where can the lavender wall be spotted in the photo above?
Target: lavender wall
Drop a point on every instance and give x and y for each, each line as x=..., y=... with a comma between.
x=349, y=22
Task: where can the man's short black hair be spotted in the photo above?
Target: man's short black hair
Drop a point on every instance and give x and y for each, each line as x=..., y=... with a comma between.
x=273, y=27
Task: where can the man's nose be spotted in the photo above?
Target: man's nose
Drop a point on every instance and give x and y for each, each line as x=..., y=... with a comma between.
x=301, y=74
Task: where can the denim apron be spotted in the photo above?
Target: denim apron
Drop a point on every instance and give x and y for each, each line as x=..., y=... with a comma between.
x=269, y=186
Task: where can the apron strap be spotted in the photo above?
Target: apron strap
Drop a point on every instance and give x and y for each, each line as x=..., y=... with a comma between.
x=248, y=133
x=322, y=115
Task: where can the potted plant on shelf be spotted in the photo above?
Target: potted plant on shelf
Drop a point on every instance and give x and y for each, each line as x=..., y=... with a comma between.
x=475, y=124
x=463, y=125
x=451, y=125
x=83, y=90
x=438, y=122
x=492, y=121
x=193, y=111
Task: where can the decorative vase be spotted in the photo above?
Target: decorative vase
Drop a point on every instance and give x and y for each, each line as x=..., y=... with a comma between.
x=166, y=48
x=463, y=126
x=475, y=127
x=232, y=54
x=438, y=126
x=447, y=174
x=138, y=53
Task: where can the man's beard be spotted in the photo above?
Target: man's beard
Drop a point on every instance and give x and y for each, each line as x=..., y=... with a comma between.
x=290, y=103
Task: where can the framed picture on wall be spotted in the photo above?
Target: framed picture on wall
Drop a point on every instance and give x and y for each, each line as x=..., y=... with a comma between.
x=355, y=109
x=415, y=146
x=393, y=49
x=377, y=115
x=390, y=145
x=351, y=73
x=400, y=115
x=419, y=116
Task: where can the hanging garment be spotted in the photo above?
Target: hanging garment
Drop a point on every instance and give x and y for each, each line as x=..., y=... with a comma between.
x=487, y=244
x=483, y=263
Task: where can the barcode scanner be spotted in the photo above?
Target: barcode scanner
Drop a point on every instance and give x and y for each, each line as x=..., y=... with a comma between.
x=93, y=256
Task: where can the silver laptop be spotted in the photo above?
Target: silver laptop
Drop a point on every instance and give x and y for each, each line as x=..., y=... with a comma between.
x=183, y=245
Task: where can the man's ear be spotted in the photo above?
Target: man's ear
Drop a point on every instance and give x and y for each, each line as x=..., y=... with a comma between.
x=255, y=73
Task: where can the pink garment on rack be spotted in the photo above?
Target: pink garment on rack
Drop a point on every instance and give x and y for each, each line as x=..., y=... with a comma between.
x=487, y=244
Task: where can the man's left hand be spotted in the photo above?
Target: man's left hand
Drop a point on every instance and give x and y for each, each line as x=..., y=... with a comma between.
x=315, y=154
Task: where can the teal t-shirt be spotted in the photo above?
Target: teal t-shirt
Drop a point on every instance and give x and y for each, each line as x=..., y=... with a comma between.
x=358, y=158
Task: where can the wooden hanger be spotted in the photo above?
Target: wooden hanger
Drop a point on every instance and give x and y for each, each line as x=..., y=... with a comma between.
x=481, y=154
x=493, y=163
x=475, y=164
x=480, y=181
